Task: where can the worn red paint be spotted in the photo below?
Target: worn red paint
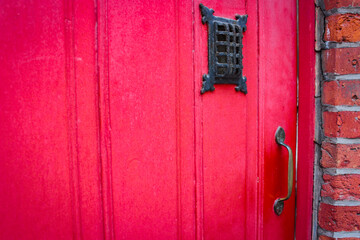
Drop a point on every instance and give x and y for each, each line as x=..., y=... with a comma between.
x=106, y=133
x=49, y=156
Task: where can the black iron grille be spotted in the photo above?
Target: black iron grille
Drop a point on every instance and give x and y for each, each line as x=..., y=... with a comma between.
x=228, y=48
x=224, y=50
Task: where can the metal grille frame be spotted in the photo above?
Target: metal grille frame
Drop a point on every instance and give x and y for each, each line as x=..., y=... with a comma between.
x=224, y=50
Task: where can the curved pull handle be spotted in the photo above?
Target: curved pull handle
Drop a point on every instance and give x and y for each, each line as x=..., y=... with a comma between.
x=279, y=203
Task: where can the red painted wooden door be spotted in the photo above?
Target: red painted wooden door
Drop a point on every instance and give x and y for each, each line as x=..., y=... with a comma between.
x=105, y=134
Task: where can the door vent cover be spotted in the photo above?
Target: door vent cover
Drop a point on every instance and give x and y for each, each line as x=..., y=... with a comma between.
x=224, y=50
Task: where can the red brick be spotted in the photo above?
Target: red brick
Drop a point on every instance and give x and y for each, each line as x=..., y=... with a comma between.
x=341, y=187
x=340, y=155
x=341, y=93
x=342, y=124
x=339, y=218
x=342, y=28
x=341, y=60
x=329, y=4
x=330, y=238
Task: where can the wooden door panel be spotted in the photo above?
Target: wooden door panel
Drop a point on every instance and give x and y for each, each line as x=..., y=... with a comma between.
x=223, y=120
x=105, y=133
x=35, y=182
x=49, y=166
x=148, y=94
x=277, y=71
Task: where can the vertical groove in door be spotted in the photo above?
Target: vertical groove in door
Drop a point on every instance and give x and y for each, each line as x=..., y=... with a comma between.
x=198, y=127
x=251, y=52
x=260, y=172
x=104, y=117
x=178, y=122
x=70, y=76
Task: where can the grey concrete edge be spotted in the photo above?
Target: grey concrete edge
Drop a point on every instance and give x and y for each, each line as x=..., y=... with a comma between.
x=342, y=140
x=342, y=234
x=340, y=108
x=329, y=45
x=341, y=203
x=341, y=171
x=342, y=10
x=335, y=77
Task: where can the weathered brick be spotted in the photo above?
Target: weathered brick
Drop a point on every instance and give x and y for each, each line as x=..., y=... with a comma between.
x=342, y=28
x=341, y=92
x=329, y=4
x=330, y=238
x=339, y=218
x=341, y=60
x=342, y=124
x=340, y=155
x=341, y=187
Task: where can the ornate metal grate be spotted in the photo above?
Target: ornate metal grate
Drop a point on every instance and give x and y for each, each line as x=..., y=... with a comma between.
x=224, y=50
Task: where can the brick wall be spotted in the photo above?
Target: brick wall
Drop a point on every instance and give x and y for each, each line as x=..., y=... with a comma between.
x=338, y=45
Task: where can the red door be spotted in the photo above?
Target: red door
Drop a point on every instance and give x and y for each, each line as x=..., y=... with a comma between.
x=105, y=134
